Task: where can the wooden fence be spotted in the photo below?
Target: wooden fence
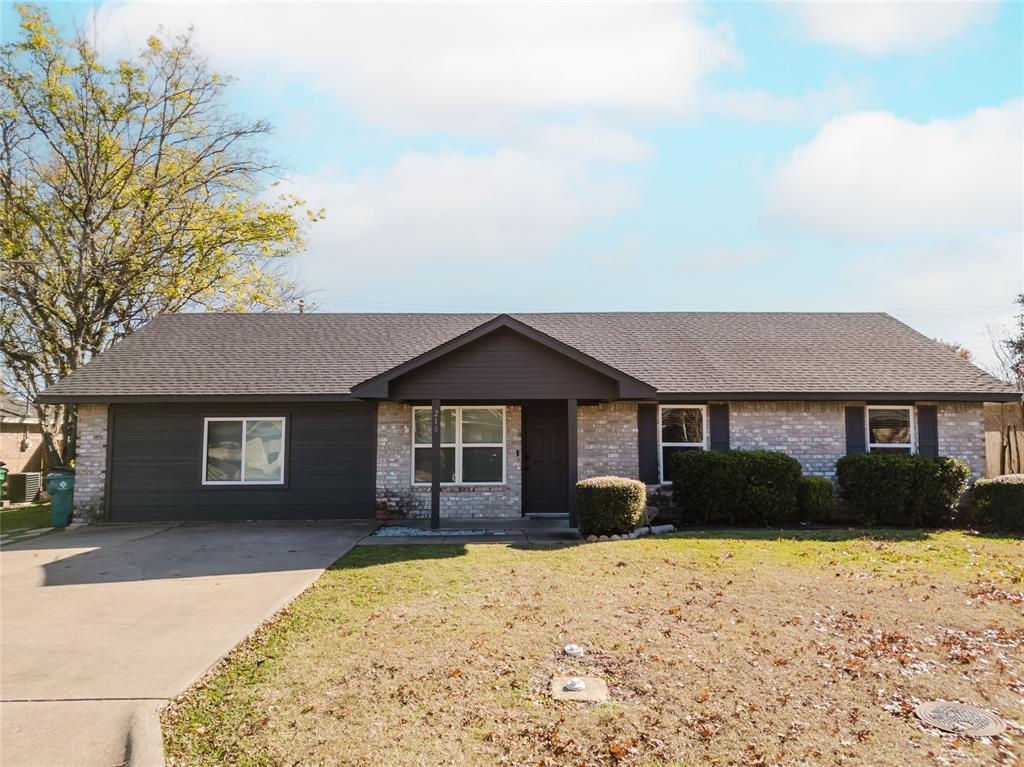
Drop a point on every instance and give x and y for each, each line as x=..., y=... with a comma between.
x=1004, y=439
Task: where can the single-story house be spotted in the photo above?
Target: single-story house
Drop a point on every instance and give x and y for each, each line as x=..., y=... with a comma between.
x=302, y=416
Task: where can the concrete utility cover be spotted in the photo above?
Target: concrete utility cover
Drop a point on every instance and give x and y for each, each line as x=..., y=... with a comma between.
x=596, y=691
x=960, y=718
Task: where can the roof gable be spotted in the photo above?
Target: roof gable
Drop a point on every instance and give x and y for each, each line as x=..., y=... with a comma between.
x=503, y=358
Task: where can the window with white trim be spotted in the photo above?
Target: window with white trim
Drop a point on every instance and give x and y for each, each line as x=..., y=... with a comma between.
x=890, y=428
x=680, y=428
x=243, y=451
x=472, y=445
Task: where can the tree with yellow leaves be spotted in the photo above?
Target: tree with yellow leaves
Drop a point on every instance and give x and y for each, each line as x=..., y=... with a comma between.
x=128, y=190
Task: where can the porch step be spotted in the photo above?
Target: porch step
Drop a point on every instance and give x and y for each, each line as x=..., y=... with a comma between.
x=546, y=516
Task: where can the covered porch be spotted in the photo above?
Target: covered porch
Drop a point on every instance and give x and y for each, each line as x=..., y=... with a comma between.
x=432, y=408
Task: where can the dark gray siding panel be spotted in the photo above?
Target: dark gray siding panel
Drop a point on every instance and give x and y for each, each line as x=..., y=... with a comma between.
x=156, y=464
x=647, y=442
x=855, y=433
x=718, y=416
x=503, y=365
x=928, y=430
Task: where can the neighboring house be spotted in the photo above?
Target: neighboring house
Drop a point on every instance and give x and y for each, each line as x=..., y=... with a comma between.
x=246, y=416
x=21, y=437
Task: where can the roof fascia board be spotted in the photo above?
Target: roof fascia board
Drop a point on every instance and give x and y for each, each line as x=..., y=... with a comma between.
x=839, y=396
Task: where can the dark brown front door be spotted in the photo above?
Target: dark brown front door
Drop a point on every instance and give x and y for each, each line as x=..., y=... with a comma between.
x=545, y=479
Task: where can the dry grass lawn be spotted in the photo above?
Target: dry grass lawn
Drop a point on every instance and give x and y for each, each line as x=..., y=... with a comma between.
x=724, y=648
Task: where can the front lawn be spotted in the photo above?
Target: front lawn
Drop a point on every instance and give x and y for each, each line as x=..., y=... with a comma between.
x=21, y=518
x=725, y=648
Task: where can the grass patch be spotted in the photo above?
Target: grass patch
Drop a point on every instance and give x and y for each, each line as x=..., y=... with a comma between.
x=21, y=518
x=719, y=647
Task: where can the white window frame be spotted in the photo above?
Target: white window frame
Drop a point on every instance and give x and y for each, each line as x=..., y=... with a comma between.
x=245, y=420
x=459, y=445
x=883, y=446
x=702, y=445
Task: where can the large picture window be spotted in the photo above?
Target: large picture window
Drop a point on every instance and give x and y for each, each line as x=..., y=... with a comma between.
x=680, y=428
x=472, y=445
x=890, y=428
x=243, y=451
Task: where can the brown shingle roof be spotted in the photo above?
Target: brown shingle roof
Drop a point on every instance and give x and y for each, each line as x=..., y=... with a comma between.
x=224, y=355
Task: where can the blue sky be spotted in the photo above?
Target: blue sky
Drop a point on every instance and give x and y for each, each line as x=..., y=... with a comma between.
x=733, y=156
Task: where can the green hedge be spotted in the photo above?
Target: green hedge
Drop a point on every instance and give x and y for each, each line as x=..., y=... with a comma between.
x=904, y=490
x=997, y=503
x=816, y=499
x=736, y=487
x=610, y=505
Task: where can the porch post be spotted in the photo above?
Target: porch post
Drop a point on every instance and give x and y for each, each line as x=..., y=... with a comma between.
x=571, y=468
x=435, y=464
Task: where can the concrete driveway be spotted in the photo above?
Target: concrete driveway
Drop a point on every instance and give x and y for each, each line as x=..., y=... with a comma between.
x=100, y=627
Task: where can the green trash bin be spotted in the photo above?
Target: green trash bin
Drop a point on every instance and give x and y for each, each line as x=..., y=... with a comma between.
x=3, y=479
x=60, y=484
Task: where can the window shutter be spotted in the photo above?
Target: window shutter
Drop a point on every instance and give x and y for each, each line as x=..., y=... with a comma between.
x=928, y=430
x=647, y=442
x=718, y=417
x=856, y=438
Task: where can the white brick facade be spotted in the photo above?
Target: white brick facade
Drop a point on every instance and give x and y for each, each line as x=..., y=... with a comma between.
x=397, y=496
x=962, y=434
x=606, y=440
x=812, y=432
x=91, y=463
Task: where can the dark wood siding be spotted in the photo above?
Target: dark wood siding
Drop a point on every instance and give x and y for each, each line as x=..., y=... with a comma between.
x=157, y=458
x=928, y=430
x=503, y=365
x=647, y=442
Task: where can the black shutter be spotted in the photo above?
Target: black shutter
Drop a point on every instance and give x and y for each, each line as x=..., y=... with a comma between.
x=718, y=416
x=647, y=442
x=855, y=431
x=928, y=430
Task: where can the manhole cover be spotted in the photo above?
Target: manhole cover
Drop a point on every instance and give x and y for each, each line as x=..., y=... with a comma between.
x=960, y=717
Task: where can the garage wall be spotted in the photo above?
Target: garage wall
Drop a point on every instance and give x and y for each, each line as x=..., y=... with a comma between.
x=157, y=458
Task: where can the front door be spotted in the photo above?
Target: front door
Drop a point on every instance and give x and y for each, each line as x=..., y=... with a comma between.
x=545, y=477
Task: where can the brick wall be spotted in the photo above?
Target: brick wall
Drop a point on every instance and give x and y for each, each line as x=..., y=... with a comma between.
x=19, y=456
x=397, y=496
x=91, y=463
x=606, y=440
x=962, y=434
x=812, y=432
x=815, y=432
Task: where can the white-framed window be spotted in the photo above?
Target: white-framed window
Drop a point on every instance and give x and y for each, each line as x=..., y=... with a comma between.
x=680, y=428
x=890, y=428
x=472, y=445
x=243, y=451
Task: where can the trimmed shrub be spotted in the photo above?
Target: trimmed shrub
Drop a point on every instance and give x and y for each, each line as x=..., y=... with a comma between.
x=610, y=505
x=746, y=487
x=816, y=499
x=772, y=481
x=997, y=503
x=905, y=490
x=707, y=486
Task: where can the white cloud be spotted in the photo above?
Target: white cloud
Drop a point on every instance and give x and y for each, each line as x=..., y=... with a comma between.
x=871, y=175
x=813, y=106
x=878, y=27
x=449, y=209
x=589, y=140
x=457, y=67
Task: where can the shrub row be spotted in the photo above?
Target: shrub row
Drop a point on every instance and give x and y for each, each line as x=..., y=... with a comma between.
x=902, y=490
x=997, y=504
x=610, y=505
x=747, y=487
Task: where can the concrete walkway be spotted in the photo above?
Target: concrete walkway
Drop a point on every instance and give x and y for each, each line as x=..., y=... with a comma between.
x=101, y=626
x=521, y=530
